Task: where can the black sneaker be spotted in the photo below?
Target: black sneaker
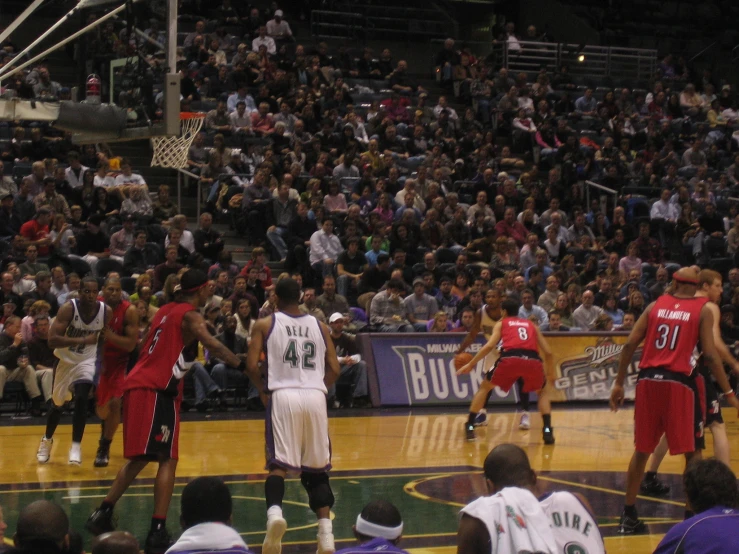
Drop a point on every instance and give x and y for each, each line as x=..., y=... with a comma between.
x=158, y=542
x=102, y=458
x=654, y=487
x=548, y=435
x=630, y=525
x=469, y=432
x=100, y=521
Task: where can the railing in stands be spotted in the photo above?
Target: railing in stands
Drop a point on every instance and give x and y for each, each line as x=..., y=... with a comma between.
x=326, y=24
x=583, y=60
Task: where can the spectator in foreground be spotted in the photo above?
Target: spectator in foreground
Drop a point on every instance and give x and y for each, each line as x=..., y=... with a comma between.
x=713, y=495
x=42, y=527
x=379, y=528
x=115, y=542
x=205, y=516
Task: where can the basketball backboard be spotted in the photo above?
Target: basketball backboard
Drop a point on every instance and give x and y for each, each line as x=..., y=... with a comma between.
x=137, y=66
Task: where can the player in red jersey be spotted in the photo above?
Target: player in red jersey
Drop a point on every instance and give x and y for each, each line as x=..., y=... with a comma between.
x=669, y=394
x=709, y=286
x=520, y=342
x=121, y=336
x=151, y=404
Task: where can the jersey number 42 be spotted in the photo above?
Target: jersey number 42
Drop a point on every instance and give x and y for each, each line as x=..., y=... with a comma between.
x=293, y=357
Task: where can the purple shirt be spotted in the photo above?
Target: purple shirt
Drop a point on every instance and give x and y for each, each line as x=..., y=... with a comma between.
x=710, y=532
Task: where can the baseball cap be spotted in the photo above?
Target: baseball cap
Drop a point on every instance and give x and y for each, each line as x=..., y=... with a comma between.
x=419, y=281
x=278, y=13
x=459, y=161
x=336, y=316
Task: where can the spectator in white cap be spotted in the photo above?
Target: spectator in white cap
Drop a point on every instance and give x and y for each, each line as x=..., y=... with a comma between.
x=353, y=374
x=278, y=28
x=378, y=529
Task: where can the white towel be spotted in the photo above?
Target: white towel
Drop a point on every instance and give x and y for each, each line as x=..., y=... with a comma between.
x=515, y=521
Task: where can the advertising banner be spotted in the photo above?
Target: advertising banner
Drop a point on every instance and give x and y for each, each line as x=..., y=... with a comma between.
x=416, y=369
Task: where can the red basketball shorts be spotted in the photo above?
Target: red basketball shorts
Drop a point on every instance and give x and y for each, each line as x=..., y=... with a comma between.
x=672, y=404
x=151, y=424
x=110, y=384
x=507, y=370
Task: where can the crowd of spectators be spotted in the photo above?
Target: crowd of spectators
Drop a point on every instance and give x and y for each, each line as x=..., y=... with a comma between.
x=394, y=210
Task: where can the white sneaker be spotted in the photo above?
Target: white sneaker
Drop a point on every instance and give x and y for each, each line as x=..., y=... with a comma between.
x=525, y=423
x=75, y=455
x=326, y=543
x=276, y=527
x=44, y=450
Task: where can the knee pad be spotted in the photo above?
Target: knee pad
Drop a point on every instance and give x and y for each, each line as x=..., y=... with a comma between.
x=319, y=491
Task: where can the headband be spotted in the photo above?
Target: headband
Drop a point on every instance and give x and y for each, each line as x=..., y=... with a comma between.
x=685, y=280
x=178, y=288
x=370, y=529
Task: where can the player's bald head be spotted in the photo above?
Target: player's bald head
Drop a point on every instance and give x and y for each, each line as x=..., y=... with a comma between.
x=508, y=465
x=116, y=542
x=41, y=521
x=686, y=280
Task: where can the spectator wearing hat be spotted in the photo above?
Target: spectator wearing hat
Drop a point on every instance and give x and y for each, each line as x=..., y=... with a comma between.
x=420, y=306
x=278, y=28
x=353, y=369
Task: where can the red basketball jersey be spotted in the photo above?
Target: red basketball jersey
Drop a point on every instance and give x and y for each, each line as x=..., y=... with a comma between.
x=518, y=334
x=113, y=355
x=161, y=365
x=673, y=330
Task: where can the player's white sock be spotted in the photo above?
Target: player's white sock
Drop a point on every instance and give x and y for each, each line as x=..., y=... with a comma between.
x=325, y=526
x=483, y=411
x=274, y=511
x=77, y=445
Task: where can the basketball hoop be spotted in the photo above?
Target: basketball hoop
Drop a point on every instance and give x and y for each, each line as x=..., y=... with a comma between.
x=172, y=151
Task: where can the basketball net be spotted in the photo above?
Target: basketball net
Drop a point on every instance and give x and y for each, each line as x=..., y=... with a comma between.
x=172, y=151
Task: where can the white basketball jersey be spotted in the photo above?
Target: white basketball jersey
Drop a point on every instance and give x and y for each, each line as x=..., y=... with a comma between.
x=575, y=529
x=78, y=328
x=487, y=323
x=296, y=353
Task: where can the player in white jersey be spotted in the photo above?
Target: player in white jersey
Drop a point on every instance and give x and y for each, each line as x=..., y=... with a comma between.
x=572, y=527
x=485, y=319
x=300, y=365
x=75, y=336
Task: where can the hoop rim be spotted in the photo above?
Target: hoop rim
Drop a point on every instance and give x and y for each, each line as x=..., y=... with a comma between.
x=191, y=115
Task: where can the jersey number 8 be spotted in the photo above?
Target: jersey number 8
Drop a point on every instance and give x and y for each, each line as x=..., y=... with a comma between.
x=291, y=354
x=523, y=333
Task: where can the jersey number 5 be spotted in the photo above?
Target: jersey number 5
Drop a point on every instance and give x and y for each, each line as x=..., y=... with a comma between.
x=154, y=341
x=664, y=333
x=291, y=354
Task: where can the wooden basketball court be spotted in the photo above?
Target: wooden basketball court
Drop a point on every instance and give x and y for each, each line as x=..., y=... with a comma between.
x=419, y=461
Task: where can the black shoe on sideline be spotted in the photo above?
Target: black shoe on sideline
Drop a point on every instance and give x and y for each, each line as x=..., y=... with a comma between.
x=158, y=542
x=630, y=525
x=100, y=521
x=654, y=487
